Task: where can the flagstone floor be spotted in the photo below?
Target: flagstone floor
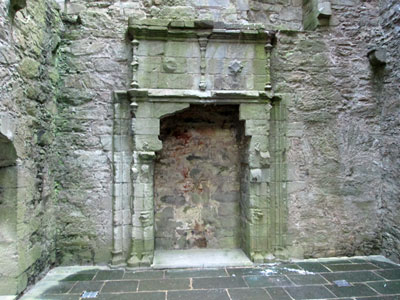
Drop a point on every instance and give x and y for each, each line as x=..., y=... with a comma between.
x=370, y=277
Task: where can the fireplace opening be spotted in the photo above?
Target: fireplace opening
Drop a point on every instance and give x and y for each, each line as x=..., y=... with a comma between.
x=197, y=179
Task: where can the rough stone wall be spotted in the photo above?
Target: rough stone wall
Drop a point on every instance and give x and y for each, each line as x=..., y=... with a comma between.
x=386, y=81
x=197, y=179
x=334, y=133
x=93, y=63
x=333, y=139
x=29, y=39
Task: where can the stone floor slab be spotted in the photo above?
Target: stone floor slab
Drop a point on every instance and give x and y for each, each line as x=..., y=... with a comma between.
x=81, y=276
x=56, y=297
x=307, y=279
x=59, y=288
x=379, y=298
x=89, y=286
x=218, y=283
x=385, y=265
x=144, y=275
x=278, y=293
x=386, y=287
x=357, y=290
x=182, y=273
x=249, y=293
x=164, y=284
x=351, y=267
x=264, y=281
x=390, y=274
x=200, y=258
x=314, y=267
x=357, y=276
x=309, y=292
x=120, y=286
x=109, y=275
x=133, y=296
x=198, y=295
x=245, y=271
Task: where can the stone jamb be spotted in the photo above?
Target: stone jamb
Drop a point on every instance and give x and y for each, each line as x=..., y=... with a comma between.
x=150, y=106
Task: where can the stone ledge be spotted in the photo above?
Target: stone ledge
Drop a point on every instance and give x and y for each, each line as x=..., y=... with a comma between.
x=166, y=29
x=175, y=95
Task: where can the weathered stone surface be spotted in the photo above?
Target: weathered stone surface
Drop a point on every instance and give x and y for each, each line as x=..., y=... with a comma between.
x=334, y=131
x=197, y=179
x=29, y=35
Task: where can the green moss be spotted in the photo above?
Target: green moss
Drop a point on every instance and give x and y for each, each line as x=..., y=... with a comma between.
x=29, y=68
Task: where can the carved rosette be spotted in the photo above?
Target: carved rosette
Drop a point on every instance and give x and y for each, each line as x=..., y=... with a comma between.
x=135, y=63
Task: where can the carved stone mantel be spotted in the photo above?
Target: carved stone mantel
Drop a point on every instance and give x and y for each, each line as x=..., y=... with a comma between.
x=176, y=64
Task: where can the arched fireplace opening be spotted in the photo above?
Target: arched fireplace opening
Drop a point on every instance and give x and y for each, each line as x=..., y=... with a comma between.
x=197, y=179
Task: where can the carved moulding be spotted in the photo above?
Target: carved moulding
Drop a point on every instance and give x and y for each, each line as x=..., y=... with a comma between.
x=133, y=243
x=152, y=105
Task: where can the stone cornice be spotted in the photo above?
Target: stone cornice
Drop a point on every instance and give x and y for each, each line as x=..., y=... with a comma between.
x=161, y=29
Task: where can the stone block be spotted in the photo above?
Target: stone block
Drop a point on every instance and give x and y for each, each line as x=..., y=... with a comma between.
x=122, y=127
x=144, y=110
x=324, y=9
x=260, y=175
x=175, y=81
x=7, y=126
x=9, y=286
x=296, y=186
x=259, y=67
x=176, y=200
x=150, y=64
x=259, y=189
x=147, y=126
x=259, y=143
x=74, y=8
x=122, y=143
x=122, y=189
x=216, y=51
x=295, y=129
x=147, y=142
x=259, y=82
x=228, y=209
x=166, y=109
x=258, y=201
x=240, y=52
x=257, y=127
x=259, y=159
x=151, y=48
x=214, y=66
x=176, y=65
x=254, y=111
x=229, y=243
x=179, y=49
x=143, y=190
x=147, y=79
x=29, y=68
x=220, y=196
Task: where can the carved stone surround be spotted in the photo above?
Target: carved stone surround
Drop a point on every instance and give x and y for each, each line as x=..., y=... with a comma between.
x=203, y=62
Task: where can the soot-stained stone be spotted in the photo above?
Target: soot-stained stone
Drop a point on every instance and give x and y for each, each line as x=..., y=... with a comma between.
x=173, y=199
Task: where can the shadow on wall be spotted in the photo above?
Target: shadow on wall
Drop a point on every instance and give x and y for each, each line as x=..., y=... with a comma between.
x=14, y=6
x=9, y=271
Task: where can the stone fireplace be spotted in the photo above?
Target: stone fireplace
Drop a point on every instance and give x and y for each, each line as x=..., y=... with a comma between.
x=197, y=143
x=197, y=179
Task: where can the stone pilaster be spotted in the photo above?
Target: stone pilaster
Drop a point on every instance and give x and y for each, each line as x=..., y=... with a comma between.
x=135, y=63
x=256, y=202
x=203, y=41
x=121, y=194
